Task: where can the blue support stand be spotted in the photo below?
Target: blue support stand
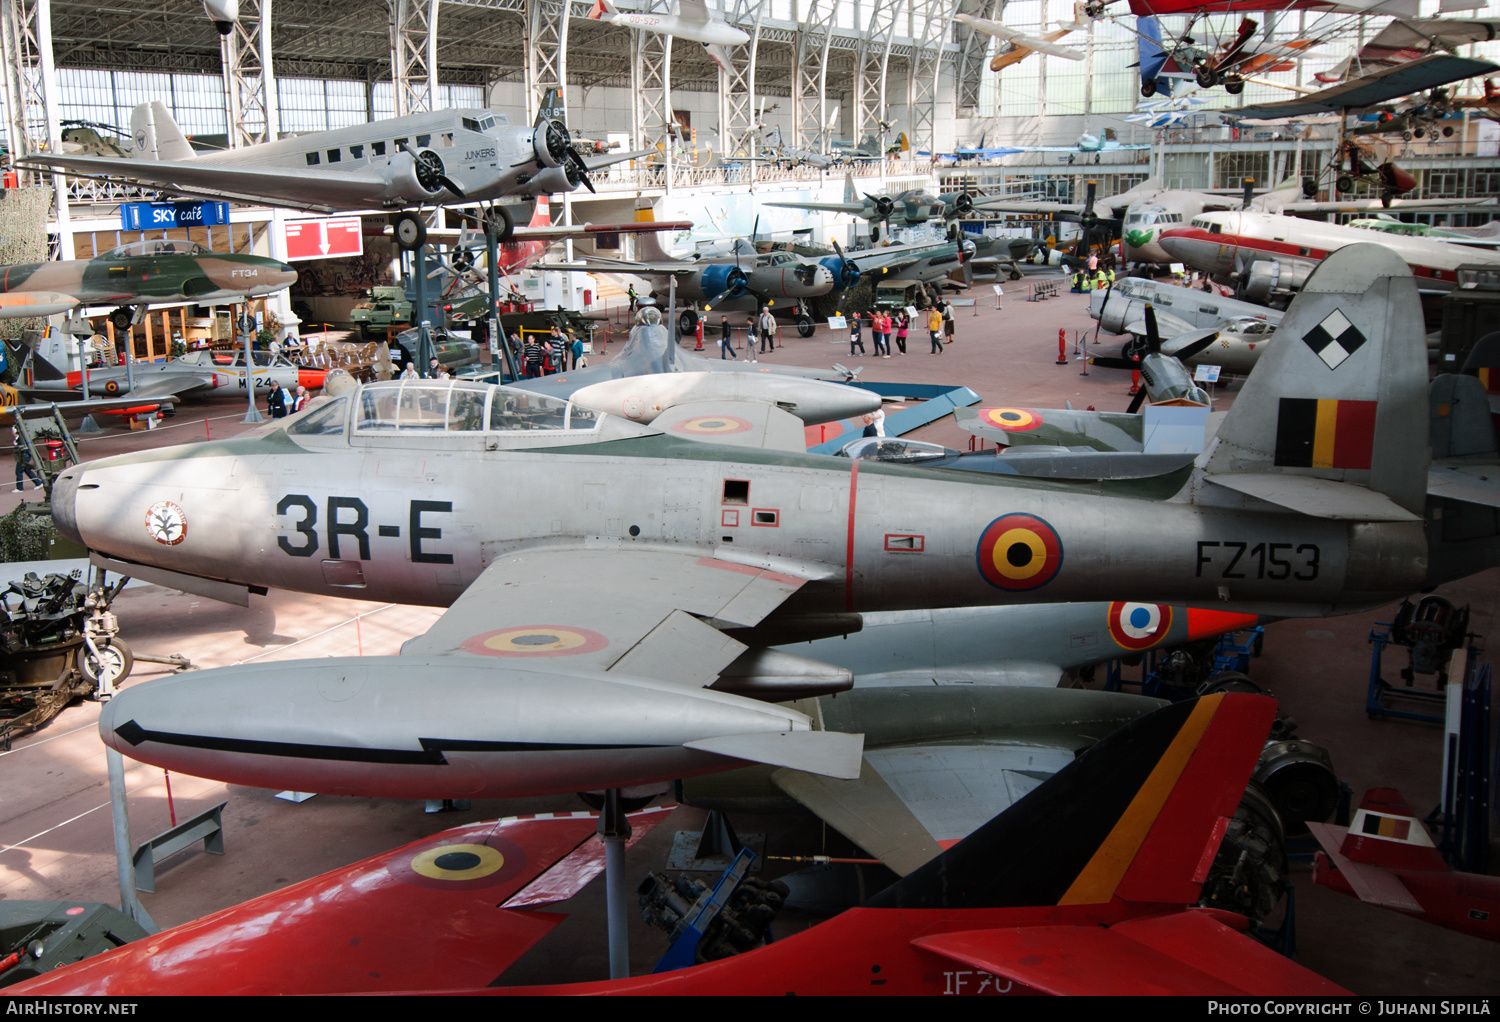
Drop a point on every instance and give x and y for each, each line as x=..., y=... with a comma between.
x=694, y=925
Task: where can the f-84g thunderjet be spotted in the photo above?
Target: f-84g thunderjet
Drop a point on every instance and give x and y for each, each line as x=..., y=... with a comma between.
x=401, y=164
x=591, y=566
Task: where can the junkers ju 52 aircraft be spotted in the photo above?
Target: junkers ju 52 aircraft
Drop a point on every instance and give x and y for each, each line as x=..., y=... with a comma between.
x=136, y=276
x=533, y=521
x=425, y=159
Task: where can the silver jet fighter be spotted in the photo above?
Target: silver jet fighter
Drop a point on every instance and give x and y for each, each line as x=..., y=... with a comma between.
x=651, y=373
x=195, y=373
x=586, y=544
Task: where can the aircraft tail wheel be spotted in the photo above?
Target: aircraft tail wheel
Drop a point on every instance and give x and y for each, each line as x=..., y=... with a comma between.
x=1407, y=135
x=1345, y=183
x=805, y=326
x=411, y=233
x=113, y=663
x=502, y=223
x=120, y=320
x=1148, y=88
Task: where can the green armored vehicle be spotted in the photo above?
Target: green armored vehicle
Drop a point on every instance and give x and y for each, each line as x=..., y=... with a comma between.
x=386, y=308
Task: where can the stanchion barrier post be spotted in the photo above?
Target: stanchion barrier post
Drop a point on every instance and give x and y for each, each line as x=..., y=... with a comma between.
x=1062, y=346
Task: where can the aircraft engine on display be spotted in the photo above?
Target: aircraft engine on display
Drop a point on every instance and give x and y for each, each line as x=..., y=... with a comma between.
x=1262, y=279
x=844, y=271
x=723, y=279
x=553, y=179
x=550, y=141
x=959, y=204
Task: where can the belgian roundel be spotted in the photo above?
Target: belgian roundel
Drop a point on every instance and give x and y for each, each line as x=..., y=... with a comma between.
x=1010, y=419
x=1139, y=625
x=1018, y=552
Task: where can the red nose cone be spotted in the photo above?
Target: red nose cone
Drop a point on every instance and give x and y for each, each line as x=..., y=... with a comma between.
x=312, y=379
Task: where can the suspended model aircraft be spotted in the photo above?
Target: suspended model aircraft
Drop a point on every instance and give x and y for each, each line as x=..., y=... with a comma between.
x=401, y=164
x=909, y=208
x=1022, y=45
x=692, y=20
x=1407, y=39
x=1230, y=65
x=136, y=276
x=1083, y=886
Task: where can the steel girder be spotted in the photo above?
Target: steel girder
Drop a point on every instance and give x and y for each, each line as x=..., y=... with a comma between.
x=545, y=58
x=414, y=64
x=810, y=76
x=925, y=70
x=651, y=81
x=737, y=120
x=871, y=63
x=249, y=81
x=973, y=48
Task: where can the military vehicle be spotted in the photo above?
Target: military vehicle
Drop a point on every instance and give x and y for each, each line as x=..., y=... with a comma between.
x=388, y=307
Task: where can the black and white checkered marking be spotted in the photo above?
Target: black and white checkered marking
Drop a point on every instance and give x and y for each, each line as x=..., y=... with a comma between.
x=1334, y=339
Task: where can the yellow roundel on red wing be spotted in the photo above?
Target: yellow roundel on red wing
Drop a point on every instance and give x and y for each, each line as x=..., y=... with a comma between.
x=535, y=641
x=1139, y=625
x=1019, y=552
x=709, y=425
x=1010, y=419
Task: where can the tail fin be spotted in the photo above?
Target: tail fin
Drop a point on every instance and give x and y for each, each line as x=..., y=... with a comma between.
x=1341, y=397
x=599, y=9
x=541, y=216
x=155, y=136
x=648, y=246
x=1139, y=817
x=645, y=212
x=551, y=107
x=903, y=144
x=1386, y=832
x=850, y=195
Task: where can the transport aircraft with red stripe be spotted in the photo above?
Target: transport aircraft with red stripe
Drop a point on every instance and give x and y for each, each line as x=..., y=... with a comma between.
x=1088, y=885
x=1266, y=254
x=1387, y=858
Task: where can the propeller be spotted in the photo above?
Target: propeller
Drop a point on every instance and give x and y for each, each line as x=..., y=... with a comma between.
x=736, y=283
x=884, y=205
x=850, y=375
x=848, y=272
x=430, y=171
x=576, y=163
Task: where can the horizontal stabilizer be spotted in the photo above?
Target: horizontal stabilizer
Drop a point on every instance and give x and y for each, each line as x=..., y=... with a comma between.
x=818, y=752
x=1471, y=484
x=1320, y=498
x=1375, y=885
x=866, y=811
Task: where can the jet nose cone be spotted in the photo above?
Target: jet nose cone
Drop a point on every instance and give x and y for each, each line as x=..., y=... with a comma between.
x=64, y=494
x=285, y=275
x=312, y=379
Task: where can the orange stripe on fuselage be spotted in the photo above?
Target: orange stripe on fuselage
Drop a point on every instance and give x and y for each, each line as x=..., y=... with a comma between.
x=1097, y=881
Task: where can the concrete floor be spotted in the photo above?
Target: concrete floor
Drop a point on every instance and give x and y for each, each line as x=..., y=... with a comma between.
x=55, y=836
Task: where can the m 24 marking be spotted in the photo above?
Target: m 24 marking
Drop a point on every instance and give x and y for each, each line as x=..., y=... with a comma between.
x=348, y=518
x=1274, y=561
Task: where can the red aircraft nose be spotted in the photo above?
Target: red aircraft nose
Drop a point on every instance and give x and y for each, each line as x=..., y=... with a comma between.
x=312, y=379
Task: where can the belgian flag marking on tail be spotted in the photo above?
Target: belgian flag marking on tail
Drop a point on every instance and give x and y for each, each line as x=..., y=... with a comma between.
x=1322, y=433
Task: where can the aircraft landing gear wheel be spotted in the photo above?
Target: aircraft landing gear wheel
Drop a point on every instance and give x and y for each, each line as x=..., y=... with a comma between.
x=1234, y=88
x=1015, y=274
x=1406, y=136
x=874, y=234
x=113, y=663
x=1447, y=131
x=120, y=320
x=1148, y=88
x=1344, y=184
x=805, y=326
x=1207, y=77
x=499, y=220
x=687, y=322
x=410, y=232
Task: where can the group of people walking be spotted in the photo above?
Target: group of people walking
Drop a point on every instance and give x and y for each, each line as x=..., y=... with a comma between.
x=883, y=324
x=555, y=353
x=760, y=327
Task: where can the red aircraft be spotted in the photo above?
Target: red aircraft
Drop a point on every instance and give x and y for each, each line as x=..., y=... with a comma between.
x=1080, y=887
x=1387, y=858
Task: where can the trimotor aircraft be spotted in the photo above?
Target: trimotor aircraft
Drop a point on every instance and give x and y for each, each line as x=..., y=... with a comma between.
x=1266, y=254
x=1385, y=857
x=528, y=518
x=136, y=276
x=1108, y=853
x=1022, y=45
x=691, y=20
x=907, y=209
x=425, y=159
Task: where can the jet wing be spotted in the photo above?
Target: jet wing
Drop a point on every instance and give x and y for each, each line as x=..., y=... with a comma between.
x=1189, y=952
x=462, y=923
x=310, y=188
x=1384, y=85
x=562, y=608
x=735, y=423
x=1103, y=431
x=1472, y=483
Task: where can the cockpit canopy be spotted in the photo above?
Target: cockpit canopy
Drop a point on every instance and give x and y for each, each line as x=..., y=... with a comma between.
x=157, y=247
x=428, y=407
x=892, y=449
